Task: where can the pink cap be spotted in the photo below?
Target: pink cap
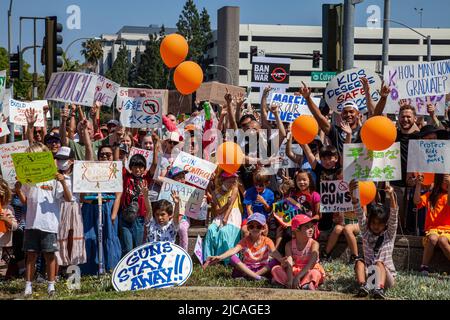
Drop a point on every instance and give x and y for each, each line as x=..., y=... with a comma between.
x=228, y=175
x=299, y=220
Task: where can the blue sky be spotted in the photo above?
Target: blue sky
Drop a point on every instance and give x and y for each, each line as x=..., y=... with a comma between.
x=101, y=16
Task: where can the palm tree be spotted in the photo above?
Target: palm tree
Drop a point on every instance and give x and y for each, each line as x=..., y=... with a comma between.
x=71, y=65
x=92, y=52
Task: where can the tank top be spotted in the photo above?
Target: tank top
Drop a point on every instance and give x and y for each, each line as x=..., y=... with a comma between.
x=301, y=257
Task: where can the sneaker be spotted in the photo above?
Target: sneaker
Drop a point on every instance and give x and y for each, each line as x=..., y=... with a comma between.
x=363, y=291
x=28, y=292
x=51, y=293
x=424, y=270
x=378, y=294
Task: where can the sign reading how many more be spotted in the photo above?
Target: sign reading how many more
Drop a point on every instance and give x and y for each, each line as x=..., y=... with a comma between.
x=199, y=171
x=366, y=165
x=97, y=176
x=431, y=156
x=6, y=162
x=335, y=196
x=72, y=87
x=290, y=107
x=34, y=167
x=152, y=265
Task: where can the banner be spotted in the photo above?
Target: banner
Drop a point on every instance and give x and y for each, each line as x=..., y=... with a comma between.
x=200, y=171
x=366, y=165
x=290, y=107
x=418, y=79
x=335, y=196
x=97, y=176
x=34, y=167
x=17, y=111
x=152, y=265
x=270, y=71
x=105, y=90
x=285, y=210
x=72, y=87
x=214, y=92
x=431, y=156
x=192, y=203
x=347, y=86
x=420, y=103
x=6, y=163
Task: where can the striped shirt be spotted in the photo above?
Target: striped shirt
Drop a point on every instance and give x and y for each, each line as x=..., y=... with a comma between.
x=369, y=239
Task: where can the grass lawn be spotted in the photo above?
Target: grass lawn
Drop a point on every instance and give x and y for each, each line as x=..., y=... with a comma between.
x=215, y=283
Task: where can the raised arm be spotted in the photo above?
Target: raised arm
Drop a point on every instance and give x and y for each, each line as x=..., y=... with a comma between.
x=231, y=118
x=89, y=153
x=63, y=124
x=324, y=125
x=274, y=109
x=239, y=102
x=393, y=215
x=156, y=149
x=31, y=116
x=431, y=109
x=296, y=158
x=95, y=115
x=264, y=122
x=309, y=155
x=369, y=101
x=354, y=192
x=73, y=122
x=44, y=128
x=176, y=211
x=381, y=104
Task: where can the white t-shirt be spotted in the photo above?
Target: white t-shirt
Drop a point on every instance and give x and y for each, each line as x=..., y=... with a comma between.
x=43, y=205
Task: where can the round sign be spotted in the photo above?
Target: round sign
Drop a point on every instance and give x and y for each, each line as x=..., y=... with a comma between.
x=150, y=106
x=152, y=265
x=279, y=74
x=347, y=86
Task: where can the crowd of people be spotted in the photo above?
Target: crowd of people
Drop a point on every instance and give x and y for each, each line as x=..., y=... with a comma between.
x=48, y=227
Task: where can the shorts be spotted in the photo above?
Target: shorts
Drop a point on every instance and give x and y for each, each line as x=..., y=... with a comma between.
x=437, y=232
x=40, y=241
x=350, y=221
x=239, y=274
x=390, y=278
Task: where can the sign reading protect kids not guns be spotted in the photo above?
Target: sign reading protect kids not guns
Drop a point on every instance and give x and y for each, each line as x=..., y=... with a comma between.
x=97, y=176
x=366, y=165
x=72, y=87
x=152, y=265
x=347, y=86
x=34, y=167
x=429, y=156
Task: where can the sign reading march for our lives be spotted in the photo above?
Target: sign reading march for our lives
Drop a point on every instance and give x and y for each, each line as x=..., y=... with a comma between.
x=270, y=71
x=34, y=167
x=290, y=106
x=418, y=79
x=199, y=171
x=6, y=162
x=431, y=156
x=335, y=196
x=72, y=87
x=366, y=165
x=17, y=111
x=347, y=86
x=152, y=265
x=105, y=90
x=97, y=176
x=192, y=202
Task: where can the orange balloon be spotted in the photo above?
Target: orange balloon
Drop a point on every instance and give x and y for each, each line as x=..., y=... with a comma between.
x=428, y=178
x=367, y=192
x=188, y=77
x=305, y=129
x=229, y=157
x=174, y=49
x=378, y=133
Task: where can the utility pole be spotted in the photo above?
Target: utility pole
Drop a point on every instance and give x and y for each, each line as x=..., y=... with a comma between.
x=11, y=125
x=349, y=33
x=387, y=16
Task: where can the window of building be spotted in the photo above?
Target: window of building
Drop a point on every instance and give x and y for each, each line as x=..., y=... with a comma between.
x=243, y=38
x=286, y=39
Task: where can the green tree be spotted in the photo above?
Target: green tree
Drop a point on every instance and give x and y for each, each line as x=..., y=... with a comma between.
x=132, y=72
x=71, y=65
x=120, y=68
x=92, y=52
x=22, y=87
x=206, y=32
x=150, y=70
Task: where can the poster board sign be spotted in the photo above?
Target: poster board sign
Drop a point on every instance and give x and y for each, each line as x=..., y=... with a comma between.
x=152, y=265
x=290, y=106
x=2, y=88
x=431, y=156
x=17, y=111
x=347, y=86
x=198, y=249
x=6, y=162
x=200, y=171
x=72, y=87
x=105, y=90
x=97, y=176
x=365, y=165
x=335, y=196
x=270, y=71
x=4, y=103
x=148, y=155
x=178, y=103
x=285, y=210
x=419, y=103
x=214, y=92
x=4, y=130
x=34, y=167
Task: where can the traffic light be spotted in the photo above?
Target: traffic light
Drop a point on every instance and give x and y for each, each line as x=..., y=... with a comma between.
x=316, y=59
x=51, y=52
x=253, y=52
x=15, y=65
x=332, y=37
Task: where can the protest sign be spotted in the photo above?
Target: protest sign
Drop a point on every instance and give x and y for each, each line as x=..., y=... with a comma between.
x=97, y=176
x=17, y=111
x=367, y=165
x=2, y=88
x=152, y=265
x=290, y=107
x=34, y=167
x=4, y=103
x=72, y=87
x=200, y=171
x=285, y=210
x=105, y=90
x=6, y=163
x=417, y=79
x=420, y=103
x=335, y=196
x=179, y=103
x=4, y=130
x=347, y=86
x=148, y=155
x=198, y=249
x=431, y=156
x=214, y=92
x=191, y=198
x=286, y=162
x=270, y=71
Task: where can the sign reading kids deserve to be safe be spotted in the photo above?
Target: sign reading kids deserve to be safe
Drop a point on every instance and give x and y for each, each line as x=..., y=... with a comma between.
x=152, y=265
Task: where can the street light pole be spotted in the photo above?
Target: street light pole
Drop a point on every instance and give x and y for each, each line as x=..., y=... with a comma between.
x=84, y=38
x=349, y=34
x=387, y=16
x=228, y=71
x=11, y=125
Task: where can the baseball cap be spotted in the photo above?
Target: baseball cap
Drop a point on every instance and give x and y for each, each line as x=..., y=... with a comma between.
x=351, y=104
x=258, y=217
x=174, y=171
x=64, y=153
x=228, y=175
x=300, y=220
x=51, y=137
x=113, y=123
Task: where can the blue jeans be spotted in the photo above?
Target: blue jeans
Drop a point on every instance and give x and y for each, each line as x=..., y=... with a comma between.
x=131, y=235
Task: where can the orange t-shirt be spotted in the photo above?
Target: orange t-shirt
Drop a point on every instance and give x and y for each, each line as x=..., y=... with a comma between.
x=439, y=216
x=256, y=256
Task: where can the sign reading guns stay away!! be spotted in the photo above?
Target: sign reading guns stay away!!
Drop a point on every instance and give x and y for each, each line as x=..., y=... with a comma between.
x=335, y=196
x=34, y=167
x=273, y=71
x=152, y=265
x=72, y=87
x=97, y=176
x=431, y=156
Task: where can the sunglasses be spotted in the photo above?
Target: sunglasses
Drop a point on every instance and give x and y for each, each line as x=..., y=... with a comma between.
x=259, y=185
x=53, y=142
x=252, y=226
x=174, y=143
x=105, y=155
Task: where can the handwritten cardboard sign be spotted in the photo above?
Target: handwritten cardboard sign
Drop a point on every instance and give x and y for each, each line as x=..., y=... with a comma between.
x=285, y=210
x=97, y=176
x=4, y=103
x=152, y=265
x=214, y=92
x=367, y=165
x=347, y=86
x=431, y=156
x=148, y=155
x=6, y=162
x=200, y=171
x=290, y=107
x=72, y=87
x=34, y=167
x=105, y=90
x=419, y=103
x=17, y=111
x=4, y=130
x=335, y=196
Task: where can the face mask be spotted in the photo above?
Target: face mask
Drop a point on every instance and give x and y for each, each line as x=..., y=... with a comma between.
x=63, y=164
